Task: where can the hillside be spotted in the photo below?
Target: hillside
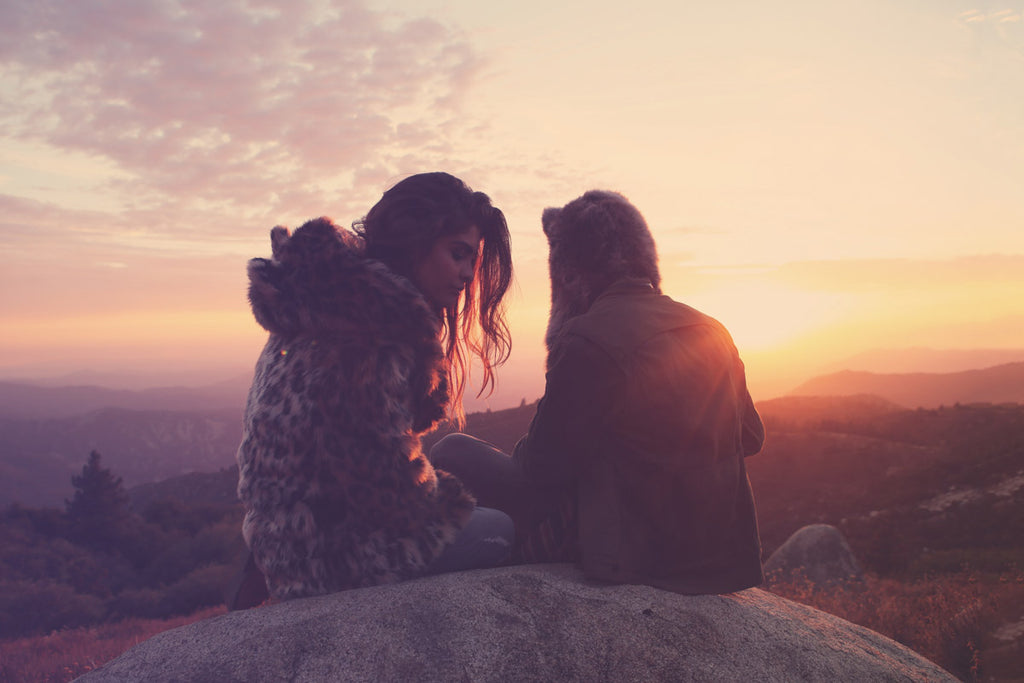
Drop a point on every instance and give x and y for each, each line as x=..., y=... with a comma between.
x=794, y=412
x=194, y=488
x=913, y=490
x=998, y=384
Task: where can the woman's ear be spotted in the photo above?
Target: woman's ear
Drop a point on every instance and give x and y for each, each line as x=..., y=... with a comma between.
x=279, y=236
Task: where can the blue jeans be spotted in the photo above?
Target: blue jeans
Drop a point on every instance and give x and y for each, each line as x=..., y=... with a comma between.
x=485, y=541
x=544, y=516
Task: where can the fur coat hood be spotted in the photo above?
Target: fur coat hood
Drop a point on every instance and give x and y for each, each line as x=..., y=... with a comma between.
x=319, y=284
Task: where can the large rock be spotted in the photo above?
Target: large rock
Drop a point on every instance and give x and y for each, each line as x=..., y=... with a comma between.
x=818, y=553
x=529, y=623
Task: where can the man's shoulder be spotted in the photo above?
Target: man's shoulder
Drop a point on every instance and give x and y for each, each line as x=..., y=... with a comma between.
x=636, y=314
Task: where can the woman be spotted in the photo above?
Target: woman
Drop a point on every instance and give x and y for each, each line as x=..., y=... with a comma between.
x=369, y=337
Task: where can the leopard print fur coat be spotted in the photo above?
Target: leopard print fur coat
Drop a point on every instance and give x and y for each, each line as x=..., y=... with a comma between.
x=336, y=490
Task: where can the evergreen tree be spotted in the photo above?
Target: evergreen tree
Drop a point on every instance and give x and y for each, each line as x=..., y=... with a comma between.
x=98, y=513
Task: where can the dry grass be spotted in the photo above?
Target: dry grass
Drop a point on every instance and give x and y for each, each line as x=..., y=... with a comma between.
x=948, y=619
x=65, y=655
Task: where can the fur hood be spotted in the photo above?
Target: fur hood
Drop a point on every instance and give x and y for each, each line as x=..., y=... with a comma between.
x=594, y=241
x=318, y=282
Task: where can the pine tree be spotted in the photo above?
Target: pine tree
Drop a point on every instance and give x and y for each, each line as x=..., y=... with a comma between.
x=99, y=511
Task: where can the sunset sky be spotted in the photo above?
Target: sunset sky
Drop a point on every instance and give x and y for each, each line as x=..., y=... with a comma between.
x=826, y=178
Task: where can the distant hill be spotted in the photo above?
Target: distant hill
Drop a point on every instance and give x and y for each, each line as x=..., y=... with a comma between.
x=924, y=359
x=23, y=400
x=194, y=488
x=38, y=456
x=789, y=412
x=998, y=384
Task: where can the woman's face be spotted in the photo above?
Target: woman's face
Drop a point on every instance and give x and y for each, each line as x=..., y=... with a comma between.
x=447, y=268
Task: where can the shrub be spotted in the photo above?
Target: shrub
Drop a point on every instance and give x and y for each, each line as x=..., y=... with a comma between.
x=138, y=602
x=170, y=565
x=30, y=607
x=218, y=544
x=955, y=561
x=203, y=587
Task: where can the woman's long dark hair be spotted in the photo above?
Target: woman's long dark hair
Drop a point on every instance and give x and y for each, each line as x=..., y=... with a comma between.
x=401, y=229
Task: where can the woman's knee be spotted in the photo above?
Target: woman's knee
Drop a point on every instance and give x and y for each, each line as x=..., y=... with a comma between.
x=485, y=541
x=490, y=535
x=493, y=522
x=453, y=447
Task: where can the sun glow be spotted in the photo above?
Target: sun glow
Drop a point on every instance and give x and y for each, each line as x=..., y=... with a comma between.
x=765, y=316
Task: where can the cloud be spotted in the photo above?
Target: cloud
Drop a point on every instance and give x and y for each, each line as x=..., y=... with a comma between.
x=42, y=231
x=231, y=102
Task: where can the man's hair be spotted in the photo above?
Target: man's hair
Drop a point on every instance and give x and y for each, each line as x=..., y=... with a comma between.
x=594, y=241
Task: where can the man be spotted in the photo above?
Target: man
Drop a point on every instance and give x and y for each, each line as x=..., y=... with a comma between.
x=634, y=461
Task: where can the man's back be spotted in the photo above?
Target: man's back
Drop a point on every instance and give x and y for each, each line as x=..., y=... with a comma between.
x=663, y=492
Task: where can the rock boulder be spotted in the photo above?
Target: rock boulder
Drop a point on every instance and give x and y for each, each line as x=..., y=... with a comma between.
x=526, y=623
x=818, y=553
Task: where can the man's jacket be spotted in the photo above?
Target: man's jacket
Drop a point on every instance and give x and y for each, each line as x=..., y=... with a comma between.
x=646, y=412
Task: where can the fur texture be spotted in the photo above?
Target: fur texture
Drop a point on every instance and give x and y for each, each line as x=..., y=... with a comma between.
x=594, y=240
x=336, y=489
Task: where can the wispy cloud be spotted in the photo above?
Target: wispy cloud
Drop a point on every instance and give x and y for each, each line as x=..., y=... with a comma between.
x=973, y=16
x=1003, y=16
x=35, y=231
x=232, y=103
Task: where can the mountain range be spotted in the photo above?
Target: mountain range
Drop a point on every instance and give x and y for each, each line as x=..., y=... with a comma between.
x=998, y=384
x=46, y=433
x=32, y=400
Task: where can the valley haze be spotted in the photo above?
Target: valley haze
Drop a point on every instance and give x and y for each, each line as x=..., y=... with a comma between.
x=226, y=386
